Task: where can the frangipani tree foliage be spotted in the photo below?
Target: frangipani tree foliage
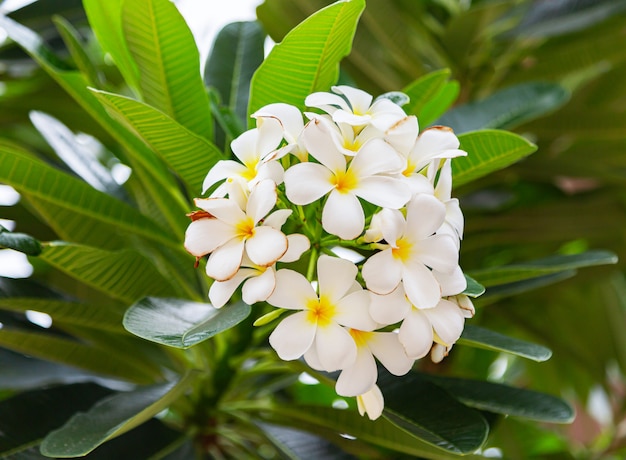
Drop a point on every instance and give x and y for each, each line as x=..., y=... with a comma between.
x=137, y=363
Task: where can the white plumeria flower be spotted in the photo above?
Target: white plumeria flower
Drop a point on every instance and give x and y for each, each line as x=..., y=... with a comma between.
x=361, y=376
x=255, y=150
x=367, y=176
x=371, y=403
x=258, y=281
x=315, y=331
x=413, y=249
x=347, y=140
x=290, y=119
x=355, y=108
x=454, y=222
x=226, y=231
x=420, y=326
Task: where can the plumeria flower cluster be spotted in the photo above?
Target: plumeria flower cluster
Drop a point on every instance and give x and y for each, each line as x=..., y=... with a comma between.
x=353, y=176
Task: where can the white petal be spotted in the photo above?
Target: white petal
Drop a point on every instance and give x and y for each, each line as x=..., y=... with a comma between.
x=421, y=286
x=298, y=245
x=342, y=116
x=293, y=336
x=222, y=208
x=381, y=272
x=271, y=170
x=385, y=113
x=392, y=225
x=288, y=115
x=222, y=170
x=447, y=320
x=416, y=335
x=270, y=135
x=424, y=215
x=377, y=157
x=321, y=100
x=454, y=216
x=390, y=352
x=353, y=311
x=266, y=246
x=335, y=276
x=205, y=235
x=359, y=377
x=443, y=190
x=307, y=182
x=451, y=283
x=439, y=252
x=343, y=215
x=277, y=219
x=292, y=291
x=402, y=134
x=418, y=183
x=335, y=347
x=224, y=262
x=221, y=291
x=383, y=191
x=261, y=201
x=259, y=288
x=311, y=358
x=371, y=403
x=318, y=140
x=245, y=147
x=390, y=308
x=359, y=100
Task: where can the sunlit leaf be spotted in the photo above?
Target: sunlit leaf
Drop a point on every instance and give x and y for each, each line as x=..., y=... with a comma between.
x=480, y=337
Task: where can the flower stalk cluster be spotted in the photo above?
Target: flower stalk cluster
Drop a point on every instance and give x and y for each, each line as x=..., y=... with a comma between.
x=358, y=194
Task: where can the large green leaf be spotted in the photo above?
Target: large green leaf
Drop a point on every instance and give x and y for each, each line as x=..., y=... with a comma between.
x=112, y=417
x=541, y=267
x=424, y=89
x=179, y=323
x=429, y=413
x=165, y=52
x=19, y=242
x=25, y=419
x=506, y=108
x=488, y=151
x=307, y=60
x=439, y=103
x=125, y=275
x=503, y=399
x=480, y=337
x=73, y=353
x=188, y=154
x=237, y=52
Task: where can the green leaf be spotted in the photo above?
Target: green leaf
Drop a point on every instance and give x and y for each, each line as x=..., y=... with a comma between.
x=125, y=275
x=73, y=353
x=474, y=288
x=179, y=323
x=478, y=337
x=422, y=90
x=429, y=413
x=297, y=444
x=237, y=52
x=19, y=242
x=105, y=19
x=112, y=417
x=507, y=108
x=506, y=400
x=188, y=154
x=541, y=267
x=165, y=52
x=26, y=418
x=439, y=103
x=517, y=287
x=488, y=151
x=307, y=60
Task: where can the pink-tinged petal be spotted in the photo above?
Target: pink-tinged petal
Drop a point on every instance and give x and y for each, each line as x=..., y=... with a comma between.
x=245, y=147
x=402, y=134
x=390, y=308
x=447, y=321
x=439, y=252
x=335, y=347
x=307, y=182
x=421, y=286
x=293, y=336
x=360, y=101
x=205, y=235
x=318, y=140
x=298, y=245
x=260, y=287
x=377, y=157
x=451, y=283
x=266, y=246
x=390, y=352
x=221, y=291
x=292, y=291
x=322, y=100
x=353, y=311
x=416, y=335
x=222, y=170
x=359, y=377
x=424, y=216
x=261, y=201
x=343, y=215
x=335, y=276
x=382, y=272
x=223, y=209
x=277, y=219
x=224, y=262
x=383, y=191
x=371, y=403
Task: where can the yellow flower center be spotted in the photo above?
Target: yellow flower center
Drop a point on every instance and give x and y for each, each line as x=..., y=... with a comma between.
x=344, y=182
x=352, y=145
x=360, y=337
x=250, y=172
x=402, y=250
x=245, y=228
x=321, y=312
x=410, y=169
